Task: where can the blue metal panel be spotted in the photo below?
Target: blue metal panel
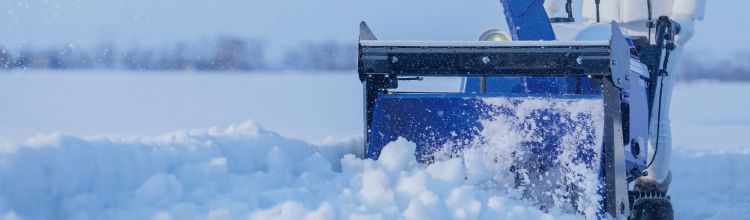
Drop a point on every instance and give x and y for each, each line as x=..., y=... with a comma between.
x=427, y=120
x=528, y=20
x=635, y=120
x=434, y=120
x=449, y=123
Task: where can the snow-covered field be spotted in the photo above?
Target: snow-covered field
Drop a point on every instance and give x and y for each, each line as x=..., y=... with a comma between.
x=287, y=146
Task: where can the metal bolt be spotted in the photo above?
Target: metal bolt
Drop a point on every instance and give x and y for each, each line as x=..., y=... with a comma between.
x=614, y=62
x=579, y=61
x=394, y=59
x=485, y=60
x=518, y=27
x=627, y=77
x=619, y=81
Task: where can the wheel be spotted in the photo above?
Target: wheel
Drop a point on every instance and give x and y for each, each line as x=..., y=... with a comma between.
x=652, y=208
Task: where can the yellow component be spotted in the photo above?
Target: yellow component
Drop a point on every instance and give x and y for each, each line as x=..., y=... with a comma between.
x=497, y=37
x=494, y=34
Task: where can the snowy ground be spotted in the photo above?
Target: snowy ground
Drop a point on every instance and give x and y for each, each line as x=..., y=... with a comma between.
x=176, y=146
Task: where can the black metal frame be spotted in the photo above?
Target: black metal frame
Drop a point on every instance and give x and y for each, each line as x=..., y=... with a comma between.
x=381, y=63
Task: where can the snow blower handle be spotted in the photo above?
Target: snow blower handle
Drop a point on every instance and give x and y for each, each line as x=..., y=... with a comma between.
x=672, y=29
x=666, y=30
x=568, y=10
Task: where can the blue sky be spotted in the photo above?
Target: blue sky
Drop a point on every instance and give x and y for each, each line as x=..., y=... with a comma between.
x=150, y=23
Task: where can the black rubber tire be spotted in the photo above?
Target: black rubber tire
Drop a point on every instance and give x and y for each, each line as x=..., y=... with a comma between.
x=652, y=209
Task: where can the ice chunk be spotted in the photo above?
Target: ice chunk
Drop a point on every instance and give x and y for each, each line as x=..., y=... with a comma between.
x=278, y=162
x=450, y=171
x=159, y=188
x=376, y=189
x=463, y=203
x=398, y=154
x=325, y=211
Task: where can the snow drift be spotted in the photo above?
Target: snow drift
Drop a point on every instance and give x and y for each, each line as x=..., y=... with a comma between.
x=246, y=172
x=238, y=173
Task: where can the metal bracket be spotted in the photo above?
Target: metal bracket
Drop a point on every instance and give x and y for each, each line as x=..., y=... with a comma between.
x=364, y=34
x=619, y=58
x=615, y=179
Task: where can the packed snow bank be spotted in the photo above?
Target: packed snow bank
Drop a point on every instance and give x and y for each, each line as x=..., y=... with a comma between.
x=246, y=172
x=238, y=173
x=187, y=174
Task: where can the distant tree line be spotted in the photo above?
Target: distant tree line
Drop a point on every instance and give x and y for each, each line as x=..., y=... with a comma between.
x=696, y=66
x=225, y=54
x=326, y=55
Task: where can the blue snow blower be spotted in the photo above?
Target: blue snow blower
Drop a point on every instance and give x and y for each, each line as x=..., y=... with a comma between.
x=568, y=107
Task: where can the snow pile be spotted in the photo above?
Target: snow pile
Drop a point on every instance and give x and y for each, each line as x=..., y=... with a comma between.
x=243, y=172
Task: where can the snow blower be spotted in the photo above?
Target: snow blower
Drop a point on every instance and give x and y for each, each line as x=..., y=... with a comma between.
x=567, y=121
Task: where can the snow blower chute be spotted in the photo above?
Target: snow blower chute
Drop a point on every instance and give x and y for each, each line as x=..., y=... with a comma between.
x=558, y=116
